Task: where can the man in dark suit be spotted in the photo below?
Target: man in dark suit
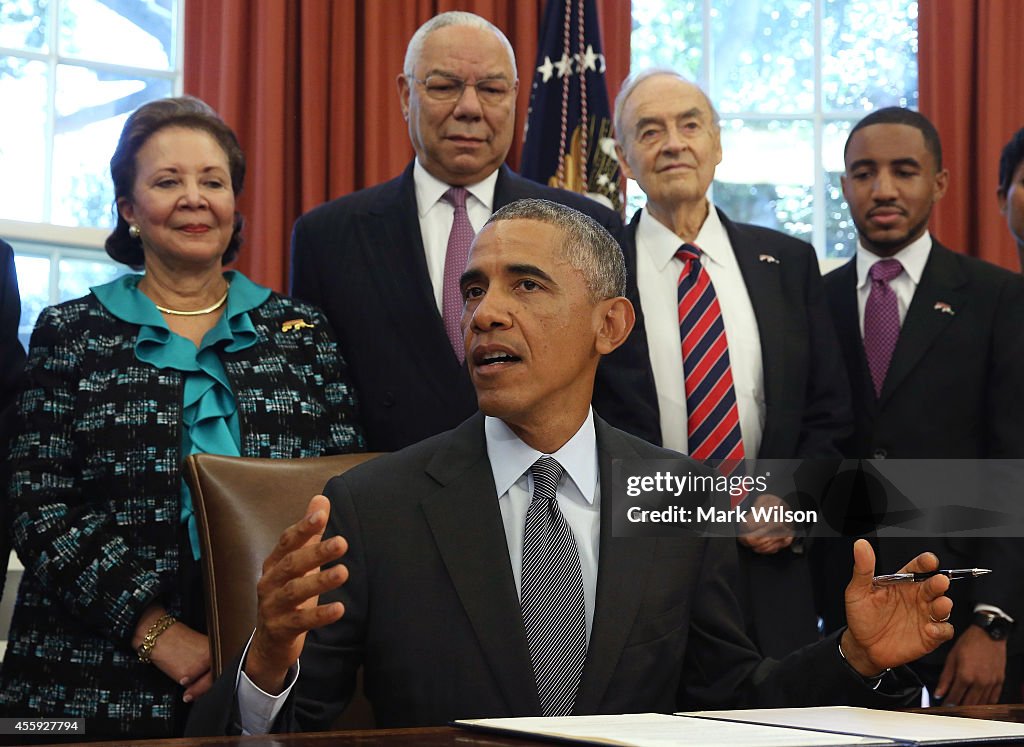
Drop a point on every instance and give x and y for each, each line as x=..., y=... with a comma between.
x=790, y=388
x=1011, y=189
x=375, y=261
x=12, y=363
x=435, y=597
x=935, y=355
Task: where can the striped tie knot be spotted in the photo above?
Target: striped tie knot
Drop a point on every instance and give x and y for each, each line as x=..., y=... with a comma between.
x=689, y=255
x=546, y=473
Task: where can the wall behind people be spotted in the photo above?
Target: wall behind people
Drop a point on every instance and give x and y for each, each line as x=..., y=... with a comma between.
x=971, y=78
x=310, y=90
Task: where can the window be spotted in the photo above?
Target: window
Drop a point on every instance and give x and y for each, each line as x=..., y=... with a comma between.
x=789, y=79
x=70, y=73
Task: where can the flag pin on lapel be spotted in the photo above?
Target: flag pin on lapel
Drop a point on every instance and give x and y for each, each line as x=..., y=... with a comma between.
x=944, y=307
x=768, y=258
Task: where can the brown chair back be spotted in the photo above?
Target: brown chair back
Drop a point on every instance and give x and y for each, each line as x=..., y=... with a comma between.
x=242, y=505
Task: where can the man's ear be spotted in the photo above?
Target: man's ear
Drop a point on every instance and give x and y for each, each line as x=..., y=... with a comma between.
x=617, y=320
x=1001, y=198
x=404, y=92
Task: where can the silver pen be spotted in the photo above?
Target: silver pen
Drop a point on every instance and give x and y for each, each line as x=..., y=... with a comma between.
x=916, y=578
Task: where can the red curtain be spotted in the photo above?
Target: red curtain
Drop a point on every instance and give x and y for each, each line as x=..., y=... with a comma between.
x=309, y=87
x=972, y=88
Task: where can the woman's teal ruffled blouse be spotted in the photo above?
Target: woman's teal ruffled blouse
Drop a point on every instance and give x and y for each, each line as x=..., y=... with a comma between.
x=209, y=412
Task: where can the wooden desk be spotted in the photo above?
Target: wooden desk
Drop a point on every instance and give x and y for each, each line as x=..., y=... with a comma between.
x=444, y=736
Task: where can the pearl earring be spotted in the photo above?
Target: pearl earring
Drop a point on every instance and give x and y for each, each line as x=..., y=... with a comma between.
x=134, y=232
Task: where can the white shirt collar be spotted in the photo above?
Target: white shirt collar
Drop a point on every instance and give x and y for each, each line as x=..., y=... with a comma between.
x=658, y=239
x=913, y=257
x=510, y=458
x=430, y=189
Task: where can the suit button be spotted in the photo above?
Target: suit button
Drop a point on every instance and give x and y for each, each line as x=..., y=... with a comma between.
x=880, y=454
x=388, y=400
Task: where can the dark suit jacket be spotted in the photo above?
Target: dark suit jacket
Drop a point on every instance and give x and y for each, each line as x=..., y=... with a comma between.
x=12, y=365
x=433, y=616
x=807, y=407
x=361, y=259
x=954, y=390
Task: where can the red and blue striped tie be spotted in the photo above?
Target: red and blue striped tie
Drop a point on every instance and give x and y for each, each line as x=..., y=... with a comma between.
x=713, y=422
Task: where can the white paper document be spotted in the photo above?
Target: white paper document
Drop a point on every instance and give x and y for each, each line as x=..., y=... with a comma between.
x=661, y=730
x=912, y=728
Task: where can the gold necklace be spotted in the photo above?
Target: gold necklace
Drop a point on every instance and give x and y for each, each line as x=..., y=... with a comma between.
x=197, y=312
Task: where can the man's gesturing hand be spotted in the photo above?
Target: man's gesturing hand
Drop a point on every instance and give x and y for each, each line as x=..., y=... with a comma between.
x=289, y=592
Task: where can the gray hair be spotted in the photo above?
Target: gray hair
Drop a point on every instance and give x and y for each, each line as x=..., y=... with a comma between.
x=451, y=18
x=588, y=246
x=629, y=85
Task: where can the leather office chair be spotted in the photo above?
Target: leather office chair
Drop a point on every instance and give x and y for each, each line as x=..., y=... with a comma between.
x=242, y=505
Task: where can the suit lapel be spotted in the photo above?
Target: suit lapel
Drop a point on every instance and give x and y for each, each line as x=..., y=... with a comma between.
x=941, y=287
x=847, y=318
x=764, y=288
x=623, y=563
x=467, y=502
x=399, y=268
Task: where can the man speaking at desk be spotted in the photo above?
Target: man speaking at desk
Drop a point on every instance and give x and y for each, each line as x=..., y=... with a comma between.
x=476, y=574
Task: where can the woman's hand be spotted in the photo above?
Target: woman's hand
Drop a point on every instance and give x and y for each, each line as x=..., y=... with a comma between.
x=180, y=652
x=183, y=654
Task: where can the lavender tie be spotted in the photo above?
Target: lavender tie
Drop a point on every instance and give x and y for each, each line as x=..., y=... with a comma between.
x=455, y=258
x=881, y=320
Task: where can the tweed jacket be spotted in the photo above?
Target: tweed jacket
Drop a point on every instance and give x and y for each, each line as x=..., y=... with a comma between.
x=96, y=491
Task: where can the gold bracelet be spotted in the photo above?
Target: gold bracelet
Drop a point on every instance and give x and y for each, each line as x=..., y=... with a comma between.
x=155, y=631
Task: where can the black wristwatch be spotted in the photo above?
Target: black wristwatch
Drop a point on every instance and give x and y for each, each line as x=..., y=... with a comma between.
x=997, y=626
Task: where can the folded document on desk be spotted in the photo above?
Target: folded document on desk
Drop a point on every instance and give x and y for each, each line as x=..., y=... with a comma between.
x=902, y=728
x=662, y=730
x=837, y=726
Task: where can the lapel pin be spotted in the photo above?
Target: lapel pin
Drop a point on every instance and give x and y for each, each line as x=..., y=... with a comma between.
x=768, y=258
x=944, y=307
x=294, y=324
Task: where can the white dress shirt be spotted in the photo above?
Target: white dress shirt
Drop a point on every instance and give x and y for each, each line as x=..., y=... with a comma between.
x=578, y=496
x=436, y=214
x=657, y=275
x=913, y=257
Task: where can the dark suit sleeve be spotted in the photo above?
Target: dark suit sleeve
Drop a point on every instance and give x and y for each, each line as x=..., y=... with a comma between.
x=1005, y=417
x=722, y=669
x=305, y=275
x=827, y=417
x=12, y=355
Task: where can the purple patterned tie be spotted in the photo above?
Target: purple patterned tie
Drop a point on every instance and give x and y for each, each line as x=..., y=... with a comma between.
x=455, y=258
x=881, y=320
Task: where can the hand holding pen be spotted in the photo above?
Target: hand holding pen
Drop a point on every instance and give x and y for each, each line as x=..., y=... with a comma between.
x=953, y=574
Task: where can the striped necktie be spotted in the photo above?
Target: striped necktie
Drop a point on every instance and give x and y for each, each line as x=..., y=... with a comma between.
x=554, y=614
x=713, y=422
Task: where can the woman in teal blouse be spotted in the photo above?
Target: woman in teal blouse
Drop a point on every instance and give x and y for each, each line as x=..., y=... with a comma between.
x=121, y=385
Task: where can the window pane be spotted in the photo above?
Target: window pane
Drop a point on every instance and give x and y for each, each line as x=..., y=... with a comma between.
x=77, y=276
x=23, y=24
x=840, y=233
x=667, y=33
x=22, y=138
x=870, y=54
x=142, y=32
x=91, y=109
x=763, y=55
x=767, y=174
x=34, y=287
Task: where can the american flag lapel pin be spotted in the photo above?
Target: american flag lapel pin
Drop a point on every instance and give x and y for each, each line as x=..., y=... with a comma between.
x=768, y=258
x=945, y=308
